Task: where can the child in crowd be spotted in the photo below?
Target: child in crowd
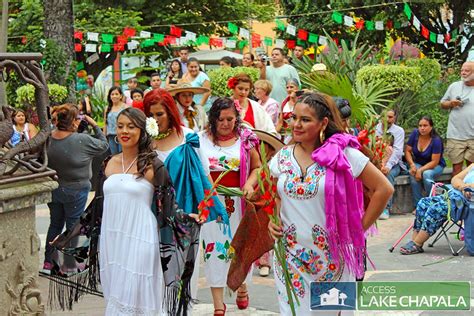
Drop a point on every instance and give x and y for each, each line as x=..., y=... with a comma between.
x=137, y=99
x=132, y=83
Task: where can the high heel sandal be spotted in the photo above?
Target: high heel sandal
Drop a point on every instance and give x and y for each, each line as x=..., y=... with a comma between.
x=218, y=311
x=242, y=304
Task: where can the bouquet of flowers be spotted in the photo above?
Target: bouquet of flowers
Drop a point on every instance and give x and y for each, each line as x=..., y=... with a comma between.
x=376, y=148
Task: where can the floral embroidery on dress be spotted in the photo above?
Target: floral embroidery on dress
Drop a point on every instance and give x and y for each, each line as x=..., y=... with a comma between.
x=222, y=163
x=223, y=251
x=229, y=205
x=296, y=186
x=333, y=272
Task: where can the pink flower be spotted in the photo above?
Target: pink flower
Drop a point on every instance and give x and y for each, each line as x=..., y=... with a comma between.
x=213, y=163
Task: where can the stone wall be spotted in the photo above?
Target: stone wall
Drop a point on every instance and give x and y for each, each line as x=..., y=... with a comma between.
x=19, y=246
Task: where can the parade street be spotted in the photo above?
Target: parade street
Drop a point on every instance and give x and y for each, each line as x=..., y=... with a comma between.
x=436, y=264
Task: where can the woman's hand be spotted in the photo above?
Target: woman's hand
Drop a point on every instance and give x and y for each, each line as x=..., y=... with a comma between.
x=248, y=190
x=412, y=170
x=276, y=231
x=90, y=120
x=419, y=174
x=197, y=218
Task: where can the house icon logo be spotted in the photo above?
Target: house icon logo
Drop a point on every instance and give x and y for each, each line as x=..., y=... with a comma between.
x=333, y=296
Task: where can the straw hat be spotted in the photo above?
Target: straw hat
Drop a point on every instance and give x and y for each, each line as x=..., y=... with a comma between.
x=270, y=139
x=186, y=87
x=319, y=67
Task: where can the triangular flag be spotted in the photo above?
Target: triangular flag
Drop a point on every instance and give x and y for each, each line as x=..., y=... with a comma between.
x=129, y=31
x=440, y=39
x=323, y=40
x=145, y=34
x=234, y=29
x=268, y=41
x=360, y=24
x=91, y=48
x=175, y=31
x=379, y=25
x=92, y=36
x=291, y=29
x=107, y=38
x=370, y=25
x=290, y=44
x=433, y=37
x=313, y=38
x=416, y=23
x=279, y=43
x=280, y=25
x=407, y=10
x=78, y=35
x=244, y=33
x=337, y=17
x=302, y=34
x=424, y=32
x=105, y=48
x=78, y=47
x=348, y=21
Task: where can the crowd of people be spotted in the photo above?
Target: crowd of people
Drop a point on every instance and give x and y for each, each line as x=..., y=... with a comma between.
x=318, y=165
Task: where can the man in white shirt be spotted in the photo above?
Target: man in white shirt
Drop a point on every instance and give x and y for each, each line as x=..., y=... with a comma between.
x=459, y=100
x=394, y=165
x=278, y=74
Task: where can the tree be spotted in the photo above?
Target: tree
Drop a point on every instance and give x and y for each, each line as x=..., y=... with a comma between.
x=429, y=12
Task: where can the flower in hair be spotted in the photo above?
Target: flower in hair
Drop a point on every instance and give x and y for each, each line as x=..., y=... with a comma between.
x=237, y=105
x=232, y=82
x=151, y=127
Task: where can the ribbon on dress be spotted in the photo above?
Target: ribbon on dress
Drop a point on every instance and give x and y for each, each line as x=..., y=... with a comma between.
x=248, y=140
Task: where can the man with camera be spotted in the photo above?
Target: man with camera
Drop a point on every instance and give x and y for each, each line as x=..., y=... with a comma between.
x=278, y=73
x=459, y=100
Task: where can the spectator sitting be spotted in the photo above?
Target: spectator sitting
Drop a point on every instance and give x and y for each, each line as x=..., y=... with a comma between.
x=155, y=82
x=137, y=97
x=394, y=165
x=431, y=212
x=424, y=154
x=22, y=129
x=262, y=90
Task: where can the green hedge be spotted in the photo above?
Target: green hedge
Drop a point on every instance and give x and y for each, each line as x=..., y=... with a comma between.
x=220, y=76
x=400, y=77
x=430, y=68
x=25, y=95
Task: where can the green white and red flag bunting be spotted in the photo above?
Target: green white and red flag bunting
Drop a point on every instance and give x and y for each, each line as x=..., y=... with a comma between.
x=302, y=34
x=175, y=31
x=129, y=32
x=78, y=35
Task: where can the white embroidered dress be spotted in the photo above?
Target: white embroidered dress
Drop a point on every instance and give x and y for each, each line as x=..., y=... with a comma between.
x=130, y=266
x=304, y=227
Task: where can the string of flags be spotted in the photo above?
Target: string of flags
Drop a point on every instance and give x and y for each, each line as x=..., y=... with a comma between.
x=130, y=39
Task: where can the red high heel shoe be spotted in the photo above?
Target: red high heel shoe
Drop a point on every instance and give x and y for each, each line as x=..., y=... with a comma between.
x=218, y=311
x=242, y=299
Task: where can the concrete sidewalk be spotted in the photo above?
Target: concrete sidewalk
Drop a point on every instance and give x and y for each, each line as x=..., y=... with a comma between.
x=436, y=264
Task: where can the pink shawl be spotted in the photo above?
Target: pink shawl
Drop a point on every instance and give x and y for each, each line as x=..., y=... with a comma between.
x=344, y=203
x=248, y=140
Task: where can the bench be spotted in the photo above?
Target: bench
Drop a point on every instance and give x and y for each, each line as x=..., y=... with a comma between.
x=402, y=197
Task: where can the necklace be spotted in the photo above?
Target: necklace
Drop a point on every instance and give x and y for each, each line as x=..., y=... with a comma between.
x=130, y=166
x=164, y=135
x=225, y=137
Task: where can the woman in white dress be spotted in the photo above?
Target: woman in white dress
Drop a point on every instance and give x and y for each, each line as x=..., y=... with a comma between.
x=227, y=145
x=322, y=242
x=284, y=119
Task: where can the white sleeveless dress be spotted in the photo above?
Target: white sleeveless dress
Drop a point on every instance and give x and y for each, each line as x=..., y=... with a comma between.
x=130, y=265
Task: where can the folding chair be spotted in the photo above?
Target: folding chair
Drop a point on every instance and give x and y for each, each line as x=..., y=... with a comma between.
x=438, y=188
x=457, y=221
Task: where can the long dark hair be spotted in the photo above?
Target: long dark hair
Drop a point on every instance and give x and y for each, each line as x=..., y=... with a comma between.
x=215, y=112
x=145, y=150
x=433, y=133
x=109, y=99
x=324, y=106
x=180, y=71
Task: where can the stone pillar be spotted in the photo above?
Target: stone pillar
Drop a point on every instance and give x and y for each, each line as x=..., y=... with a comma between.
x=20, y=245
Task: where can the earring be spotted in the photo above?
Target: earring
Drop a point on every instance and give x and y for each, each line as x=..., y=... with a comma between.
x=321, y=136
x=116, y=139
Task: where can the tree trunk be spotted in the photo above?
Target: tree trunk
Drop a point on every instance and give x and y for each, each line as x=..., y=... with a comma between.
x=58, y=26
x=3, y=47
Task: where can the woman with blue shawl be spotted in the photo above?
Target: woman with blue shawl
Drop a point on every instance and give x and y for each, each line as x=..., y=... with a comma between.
x=178, y=147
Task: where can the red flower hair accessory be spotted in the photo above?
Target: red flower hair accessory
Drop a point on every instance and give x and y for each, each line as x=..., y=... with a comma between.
x=232, y=82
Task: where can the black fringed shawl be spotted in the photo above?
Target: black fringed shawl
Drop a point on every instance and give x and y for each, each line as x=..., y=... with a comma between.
x=179, y=242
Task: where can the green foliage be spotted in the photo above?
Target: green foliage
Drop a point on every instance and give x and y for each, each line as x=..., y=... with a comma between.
x=363, y=97
x=221, y=75
x=99, y=105
x=400, y=77
x=26, y=94
x=430, y=68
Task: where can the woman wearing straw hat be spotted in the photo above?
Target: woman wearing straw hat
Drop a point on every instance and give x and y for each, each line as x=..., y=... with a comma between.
x=192, y=116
